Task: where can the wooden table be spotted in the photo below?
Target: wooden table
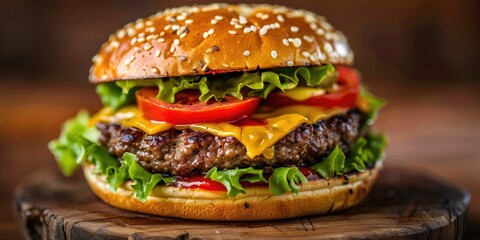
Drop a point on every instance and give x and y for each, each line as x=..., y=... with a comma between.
x=402, y=204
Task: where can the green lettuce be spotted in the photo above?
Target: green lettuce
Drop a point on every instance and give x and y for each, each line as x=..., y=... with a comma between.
x=68, y=149
x=285, y=179
x=375, y=103
x=231, y=178
x=365, y=152
x=144, y=182
x=113, y=96
x=77, y=143
x=331, y=165
x=237, y=85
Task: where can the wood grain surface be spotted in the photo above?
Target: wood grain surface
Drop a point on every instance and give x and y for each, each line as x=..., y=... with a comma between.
x=402, y=205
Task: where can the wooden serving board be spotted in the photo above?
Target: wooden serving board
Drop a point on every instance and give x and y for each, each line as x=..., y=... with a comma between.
x=402, y=205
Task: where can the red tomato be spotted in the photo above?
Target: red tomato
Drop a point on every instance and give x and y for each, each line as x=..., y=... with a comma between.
x=187, y=109
x=199, y=181
x=345, y=96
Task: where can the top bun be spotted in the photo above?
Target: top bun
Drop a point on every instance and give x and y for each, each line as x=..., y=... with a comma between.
x=218, y=38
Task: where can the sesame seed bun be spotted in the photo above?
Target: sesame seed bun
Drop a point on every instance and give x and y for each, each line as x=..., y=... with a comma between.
x=218, y=38
x=316, y=197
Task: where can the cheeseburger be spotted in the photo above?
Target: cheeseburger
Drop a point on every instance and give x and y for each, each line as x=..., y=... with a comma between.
x=226, y=112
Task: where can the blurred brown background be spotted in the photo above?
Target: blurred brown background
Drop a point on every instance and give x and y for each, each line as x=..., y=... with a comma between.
x=422, y=55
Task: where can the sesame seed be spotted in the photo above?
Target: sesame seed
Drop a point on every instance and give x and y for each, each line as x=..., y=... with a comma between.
x=297, y=42
x=161, y=40
x=258, y=15
x=238, y=26
x=147, y=46
x=181, y=17
x=274, y=54
x=167, y=27
x=183, y=58
x=130, y=32
x=205, y=68
x=219, y=18
x=320, y=31
x=234, y=20
x=290, y=63
x=172, y=49
x=285, y=42
x=162, y=34
x=294, y=29
x=96, y=58
x=152, y=37
x=233, y=32
x=205, y=35
x=148, y=23
x=215, y=48
x=246, y=53
x=247, y=30
x=328, y=47
x=313, y=26
x=183, y=35
x=263, y=31
x=121, y=34
x=243, y=20
x=176, y=42
x=139, y=25
x=104, y=77
x=280, y=18
x=151, y=29
x=214, y=21
x=209, y=51
x=157, y=53
x=133, y=41
x=140, y=40
x=181, y=30
x=175, y=27
x=188, y=21
x=308, y=38
x=155, y=70
x=305, y=54
x=225, y=65
x=264, y=17
x=211, y=31
x=253, y=28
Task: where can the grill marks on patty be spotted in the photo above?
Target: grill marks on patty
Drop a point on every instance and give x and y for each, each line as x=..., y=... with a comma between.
x=185, y=152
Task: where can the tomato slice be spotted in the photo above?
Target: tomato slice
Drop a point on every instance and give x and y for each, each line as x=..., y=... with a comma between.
x=344, y=96
x=187, y=109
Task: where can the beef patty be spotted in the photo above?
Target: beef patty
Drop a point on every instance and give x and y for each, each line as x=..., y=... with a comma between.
x=186, y=152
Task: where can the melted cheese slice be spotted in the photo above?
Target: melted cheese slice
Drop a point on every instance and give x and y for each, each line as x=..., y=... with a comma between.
x=258, y=140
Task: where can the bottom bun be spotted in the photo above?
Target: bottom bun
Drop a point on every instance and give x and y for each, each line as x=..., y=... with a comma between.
x=315, y=197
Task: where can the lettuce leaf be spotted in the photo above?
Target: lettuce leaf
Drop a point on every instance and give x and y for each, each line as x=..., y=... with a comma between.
x=77, y=143
x=331, y=165
x=258, y=83
x=68, y=149
x=285, y=179
x=144, y=182
x=365, y=152
x=113, y=96
x=375, y=103
x=231, y=178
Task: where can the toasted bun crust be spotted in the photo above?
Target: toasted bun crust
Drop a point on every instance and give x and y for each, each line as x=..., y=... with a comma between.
x=258, y=203
x=218, y=38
